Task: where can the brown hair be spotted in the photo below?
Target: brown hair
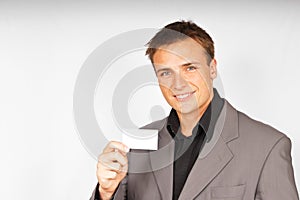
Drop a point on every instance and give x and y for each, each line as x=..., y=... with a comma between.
x=179, y=31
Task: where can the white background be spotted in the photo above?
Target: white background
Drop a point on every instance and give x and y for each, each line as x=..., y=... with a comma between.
x=44, y=44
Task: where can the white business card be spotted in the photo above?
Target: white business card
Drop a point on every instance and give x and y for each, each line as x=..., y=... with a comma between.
x=145, y=139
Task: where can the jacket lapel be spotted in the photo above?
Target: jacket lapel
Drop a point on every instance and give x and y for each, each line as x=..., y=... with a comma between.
x=205, y=170
x=162, y=164
x=215, y=154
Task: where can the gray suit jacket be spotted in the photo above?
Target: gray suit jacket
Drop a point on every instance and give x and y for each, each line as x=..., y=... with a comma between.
x=244, y=159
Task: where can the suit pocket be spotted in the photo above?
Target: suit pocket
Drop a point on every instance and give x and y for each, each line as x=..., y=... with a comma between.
x=228, y=192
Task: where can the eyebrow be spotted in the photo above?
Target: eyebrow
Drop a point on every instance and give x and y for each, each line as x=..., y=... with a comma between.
x=183, y=65
x=187, y=64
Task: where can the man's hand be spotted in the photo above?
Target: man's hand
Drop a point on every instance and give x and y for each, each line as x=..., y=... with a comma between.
x=111, y=168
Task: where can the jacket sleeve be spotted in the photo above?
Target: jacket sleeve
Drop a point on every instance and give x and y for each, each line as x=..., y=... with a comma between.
x=95, y=195
x=277, y=181
x=120, y=193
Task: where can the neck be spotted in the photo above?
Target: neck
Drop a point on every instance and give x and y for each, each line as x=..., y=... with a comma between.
x=189, y=120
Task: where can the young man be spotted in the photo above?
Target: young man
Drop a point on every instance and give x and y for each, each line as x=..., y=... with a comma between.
x=207, y=149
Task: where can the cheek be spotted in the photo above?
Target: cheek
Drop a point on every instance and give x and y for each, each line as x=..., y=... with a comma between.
x=201, y=81
x=165, y=90
x=167, y=95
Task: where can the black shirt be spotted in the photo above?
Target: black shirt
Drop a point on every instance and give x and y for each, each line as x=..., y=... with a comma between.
x=187, y=149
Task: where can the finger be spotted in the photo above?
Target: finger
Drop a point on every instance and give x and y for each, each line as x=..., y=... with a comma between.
x=113, y=157
x=112, y=145
x=123, y=169
x=108, y=175
x=114, y=166
x=105, y=183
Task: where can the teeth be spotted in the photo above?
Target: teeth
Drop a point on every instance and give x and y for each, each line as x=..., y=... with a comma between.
x=182, y=96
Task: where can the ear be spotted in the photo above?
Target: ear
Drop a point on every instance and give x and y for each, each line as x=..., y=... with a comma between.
x=213, y=69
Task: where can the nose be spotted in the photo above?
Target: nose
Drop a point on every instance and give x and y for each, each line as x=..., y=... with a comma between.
x=179, y=82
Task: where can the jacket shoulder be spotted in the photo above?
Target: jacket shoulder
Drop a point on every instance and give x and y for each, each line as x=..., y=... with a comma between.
x=258, y=131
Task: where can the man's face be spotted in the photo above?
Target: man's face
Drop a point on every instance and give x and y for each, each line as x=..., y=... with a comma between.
x=184, y=76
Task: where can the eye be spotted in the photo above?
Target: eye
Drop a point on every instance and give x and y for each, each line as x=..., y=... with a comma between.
x=166, y=73
x=191, y=68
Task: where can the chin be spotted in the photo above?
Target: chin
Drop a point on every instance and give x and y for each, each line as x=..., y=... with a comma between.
x=185, y=109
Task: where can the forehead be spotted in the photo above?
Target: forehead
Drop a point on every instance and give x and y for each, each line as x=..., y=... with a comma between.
x=180, y=52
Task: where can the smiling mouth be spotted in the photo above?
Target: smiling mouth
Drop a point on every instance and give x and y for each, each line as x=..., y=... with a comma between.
x=184, y=96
